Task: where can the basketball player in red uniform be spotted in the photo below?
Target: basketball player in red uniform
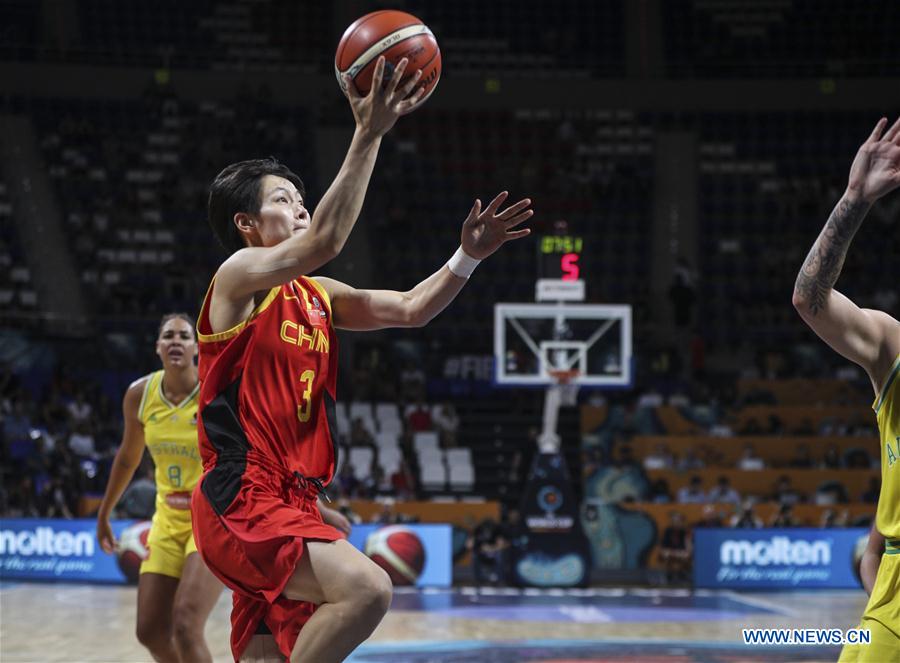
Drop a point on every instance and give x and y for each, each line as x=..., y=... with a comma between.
x=268, y=365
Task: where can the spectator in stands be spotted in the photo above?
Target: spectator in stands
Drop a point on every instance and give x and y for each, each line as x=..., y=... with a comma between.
x=802, y=458
x=832, y=518
x=139, y=499
x=419, y=418
x=675, y=549
x=690, y=461
x=692, y=493
x=870, y=494
x=659, y=492
x=784, y=517
x=375, y=482
x=831, y=492
x=347, y=481
x=79, y=409
x=403, y=481
x=359, y=435
x=723, y=493
x=54, y=502
x=489, y=549
x=710, y=517
x=749, y=460
x=831, y=460
x=81, y=441
x=784, y=492
x=660, y=459
x=744, y=518
x=446, y=422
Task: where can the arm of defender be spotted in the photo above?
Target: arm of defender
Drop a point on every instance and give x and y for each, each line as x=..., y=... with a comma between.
x=869, y=338
x=871, y=559
x=127, y=459
x=256, y=269
x=483, y=233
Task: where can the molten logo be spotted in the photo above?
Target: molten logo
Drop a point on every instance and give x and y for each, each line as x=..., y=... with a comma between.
x=779, y=550
x=44, y=541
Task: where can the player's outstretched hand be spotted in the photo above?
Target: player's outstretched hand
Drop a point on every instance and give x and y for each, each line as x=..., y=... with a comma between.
x=876, y=169
x=105, y=536
x=377, y=112
x=486, y=231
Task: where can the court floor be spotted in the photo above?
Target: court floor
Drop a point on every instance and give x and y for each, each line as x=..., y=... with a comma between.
x=90, y=623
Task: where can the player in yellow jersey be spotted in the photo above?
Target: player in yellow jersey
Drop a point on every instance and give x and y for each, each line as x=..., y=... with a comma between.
x=871, y=339
x=176, y=592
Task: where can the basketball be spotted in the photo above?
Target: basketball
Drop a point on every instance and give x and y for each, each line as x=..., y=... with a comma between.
x=396, y=35
x=399, y=551
x=132, y=549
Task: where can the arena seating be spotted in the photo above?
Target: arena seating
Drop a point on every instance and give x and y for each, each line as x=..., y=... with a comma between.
x=702, y=38
x=135, y=207
x=814, y=449
x=244, y=33
x=767, y=184
x=17, y=295
x=778, y=38
x=591, y=169
x=579, y=36
x=528, y=35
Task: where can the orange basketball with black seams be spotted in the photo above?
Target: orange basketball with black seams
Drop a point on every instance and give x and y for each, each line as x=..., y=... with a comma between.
x=395, y=35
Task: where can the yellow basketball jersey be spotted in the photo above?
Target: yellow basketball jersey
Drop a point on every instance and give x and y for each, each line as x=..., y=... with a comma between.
x=887, y=411
x=170, y=432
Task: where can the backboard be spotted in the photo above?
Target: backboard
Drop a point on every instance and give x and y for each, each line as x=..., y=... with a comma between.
x=532, y=339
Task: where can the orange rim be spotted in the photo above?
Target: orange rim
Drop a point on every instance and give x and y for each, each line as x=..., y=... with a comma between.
x=563, y=377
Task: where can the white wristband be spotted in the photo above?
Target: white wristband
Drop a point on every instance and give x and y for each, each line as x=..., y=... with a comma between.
x=462, y=264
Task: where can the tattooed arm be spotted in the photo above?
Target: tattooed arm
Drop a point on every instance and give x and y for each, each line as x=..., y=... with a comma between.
x=869, y=338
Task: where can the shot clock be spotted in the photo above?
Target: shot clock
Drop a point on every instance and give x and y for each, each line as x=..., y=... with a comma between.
x=559, y=257
x=560, y=268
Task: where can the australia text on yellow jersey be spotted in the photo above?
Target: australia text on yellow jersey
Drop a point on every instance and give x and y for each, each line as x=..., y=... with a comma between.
x=170, y=432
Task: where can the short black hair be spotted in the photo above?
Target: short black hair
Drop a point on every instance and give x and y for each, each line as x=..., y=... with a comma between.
x=237, y=189
x=181, y=316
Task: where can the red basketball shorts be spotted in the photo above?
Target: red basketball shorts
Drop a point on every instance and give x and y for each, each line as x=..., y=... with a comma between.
x=254, y=542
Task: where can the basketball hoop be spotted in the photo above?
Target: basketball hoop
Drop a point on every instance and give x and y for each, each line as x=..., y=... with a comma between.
x=563, y=377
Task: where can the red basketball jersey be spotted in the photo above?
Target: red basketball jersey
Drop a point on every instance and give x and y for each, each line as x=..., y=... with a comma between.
x=268, y=389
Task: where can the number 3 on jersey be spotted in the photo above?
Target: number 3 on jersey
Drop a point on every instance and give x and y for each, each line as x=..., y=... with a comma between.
x=304, y=409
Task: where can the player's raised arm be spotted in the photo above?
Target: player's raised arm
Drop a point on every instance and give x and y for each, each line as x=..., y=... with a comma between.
x=127, y=459
x=278, y=253
x=869, y=338
x=483, y=233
